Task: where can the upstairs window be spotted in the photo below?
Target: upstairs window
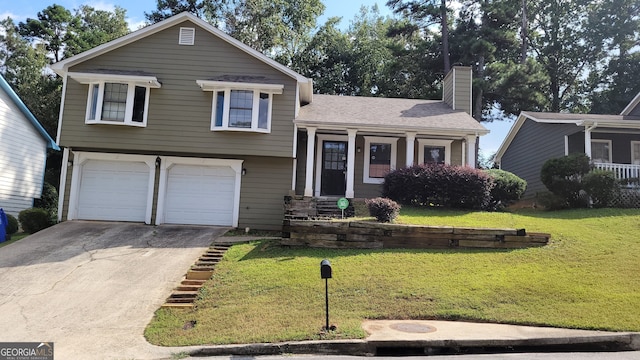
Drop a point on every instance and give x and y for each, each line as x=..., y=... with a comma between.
x=241, y=107
x=119, y=103
x=379, y=158
x=117, y=99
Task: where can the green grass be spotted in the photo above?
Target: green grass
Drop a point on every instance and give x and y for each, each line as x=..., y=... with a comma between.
x=14, y=238
x=587, y=277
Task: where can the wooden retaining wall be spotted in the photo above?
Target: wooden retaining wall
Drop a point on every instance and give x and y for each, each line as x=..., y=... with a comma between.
x=373, y=235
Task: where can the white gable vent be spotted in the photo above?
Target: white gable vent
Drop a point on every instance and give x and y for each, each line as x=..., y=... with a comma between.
x=187, y=36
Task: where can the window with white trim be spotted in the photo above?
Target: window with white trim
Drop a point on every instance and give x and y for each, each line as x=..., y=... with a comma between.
x=241, y=106
x=601, y=151
x=434, y=151
x=117, y=103
x=635, y=152
x=379, y=158
x=117, y=97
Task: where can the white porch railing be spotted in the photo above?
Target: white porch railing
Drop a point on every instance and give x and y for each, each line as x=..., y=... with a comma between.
x=621, y=171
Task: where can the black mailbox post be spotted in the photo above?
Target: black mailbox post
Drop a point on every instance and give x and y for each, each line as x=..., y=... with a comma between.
x=325, y=269
x=325, y=273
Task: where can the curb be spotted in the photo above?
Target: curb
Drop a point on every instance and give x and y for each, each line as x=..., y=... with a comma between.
x=604, y=343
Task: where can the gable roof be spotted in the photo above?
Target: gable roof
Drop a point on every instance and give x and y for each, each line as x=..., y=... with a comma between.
x=387, y=114
x=610, y=121
x=4, y=85
x=631, y=105
x=62, y=67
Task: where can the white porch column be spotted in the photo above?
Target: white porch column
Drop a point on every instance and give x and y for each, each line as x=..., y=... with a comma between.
x=411, y=143
x=471, y=150
x=351, y=163
x=311, y=146
x=587, y=140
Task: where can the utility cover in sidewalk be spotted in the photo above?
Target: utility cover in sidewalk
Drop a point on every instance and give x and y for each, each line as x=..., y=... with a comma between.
x=412, y=328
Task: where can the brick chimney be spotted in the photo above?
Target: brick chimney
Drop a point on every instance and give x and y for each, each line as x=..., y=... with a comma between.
x=456, y=88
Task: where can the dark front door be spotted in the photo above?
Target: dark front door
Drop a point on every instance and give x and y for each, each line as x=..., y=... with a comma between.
x=334, y=168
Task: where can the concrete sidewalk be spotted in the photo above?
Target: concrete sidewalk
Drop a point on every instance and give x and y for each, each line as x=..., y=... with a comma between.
x=418, y=337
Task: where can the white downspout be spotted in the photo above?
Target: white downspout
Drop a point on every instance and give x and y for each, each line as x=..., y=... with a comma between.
x=587, y=138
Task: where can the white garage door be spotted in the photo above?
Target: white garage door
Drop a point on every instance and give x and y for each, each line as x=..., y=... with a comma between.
x=113, y=190
x=200, y=195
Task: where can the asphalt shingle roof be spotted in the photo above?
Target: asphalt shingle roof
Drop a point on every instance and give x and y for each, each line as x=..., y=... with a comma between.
x=397, y=114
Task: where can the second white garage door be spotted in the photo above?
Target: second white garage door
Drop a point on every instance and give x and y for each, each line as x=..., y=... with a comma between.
x=200, y=195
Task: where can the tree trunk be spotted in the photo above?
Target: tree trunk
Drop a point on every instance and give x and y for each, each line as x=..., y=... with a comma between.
x=477, y=103
x=523, y=32
x=445, y=36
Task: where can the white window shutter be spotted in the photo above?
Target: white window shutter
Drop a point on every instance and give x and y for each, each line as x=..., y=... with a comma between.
x=187, y=36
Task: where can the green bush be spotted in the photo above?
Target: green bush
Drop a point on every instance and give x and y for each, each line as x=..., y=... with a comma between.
x=383, y=209
x=507, y=188
x=34, y=219
x=563, y=177
x=602, y=186
x=12, y=224
x=449, y=186
x=48, y=201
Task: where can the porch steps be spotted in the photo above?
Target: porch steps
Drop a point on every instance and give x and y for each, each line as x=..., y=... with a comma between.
x=185, y=294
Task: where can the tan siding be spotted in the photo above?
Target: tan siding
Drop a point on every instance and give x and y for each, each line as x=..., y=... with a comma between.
x=463, y=89
x=67, y=189
x=456, y=152
x=266, y=183
x=179, y=116
x=447, y=89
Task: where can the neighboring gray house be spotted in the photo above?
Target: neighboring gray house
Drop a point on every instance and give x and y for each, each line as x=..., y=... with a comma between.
x=611, y=141
x=180, y=123
x=23, y=152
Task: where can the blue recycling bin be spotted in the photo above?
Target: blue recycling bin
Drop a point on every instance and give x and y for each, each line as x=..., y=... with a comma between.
x=3, y=225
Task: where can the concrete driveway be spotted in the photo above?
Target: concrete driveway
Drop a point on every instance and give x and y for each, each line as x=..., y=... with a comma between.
x=92, y=287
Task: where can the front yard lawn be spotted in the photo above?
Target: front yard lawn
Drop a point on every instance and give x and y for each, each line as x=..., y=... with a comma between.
x=586, y=277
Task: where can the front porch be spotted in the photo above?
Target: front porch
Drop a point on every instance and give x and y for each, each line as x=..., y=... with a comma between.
x=627, y=172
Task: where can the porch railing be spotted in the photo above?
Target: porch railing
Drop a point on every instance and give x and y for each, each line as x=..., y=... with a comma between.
x=622, y=171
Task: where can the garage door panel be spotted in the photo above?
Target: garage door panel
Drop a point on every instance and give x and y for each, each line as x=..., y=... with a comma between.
x=202, y=195
x=113, y=190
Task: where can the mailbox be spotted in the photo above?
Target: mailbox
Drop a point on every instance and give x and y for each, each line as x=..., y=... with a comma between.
x=325, y=269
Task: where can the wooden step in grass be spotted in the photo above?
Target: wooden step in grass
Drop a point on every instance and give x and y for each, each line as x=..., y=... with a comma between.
x=185, y=294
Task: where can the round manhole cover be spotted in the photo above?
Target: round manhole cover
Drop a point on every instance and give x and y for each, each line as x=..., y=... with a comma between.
x=413, y=328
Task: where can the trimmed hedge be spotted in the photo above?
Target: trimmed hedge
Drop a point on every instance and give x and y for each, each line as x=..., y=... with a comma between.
x=602, y=186
x=563, y=177
x=34, y=219
x=507, y=188
x=439, y=185
x=12, y=224
x=383, y=209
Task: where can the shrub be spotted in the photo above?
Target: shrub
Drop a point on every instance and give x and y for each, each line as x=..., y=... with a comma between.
x=507, y=188
x=602, y=186
x=48, y=201
x=12, y=224
x=563, y=177
x=438, y=185
x=34, y=219
x=383, y=209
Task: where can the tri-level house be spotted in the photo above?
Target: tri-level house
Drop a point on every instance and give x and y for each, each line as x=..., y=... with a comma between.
x=612, y=142
x=180, y=123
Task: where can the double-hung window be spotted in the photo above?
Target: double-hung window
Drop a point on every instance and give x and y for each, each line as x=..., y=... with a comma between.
x=241, y=106
x=601, y=151
x=434, y=151
x=117, y=99
x=635, y=152
x=379, y=158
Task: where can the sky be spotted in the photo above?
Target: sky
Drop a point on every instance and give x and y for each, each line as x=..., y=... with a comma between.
x=20, y=10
